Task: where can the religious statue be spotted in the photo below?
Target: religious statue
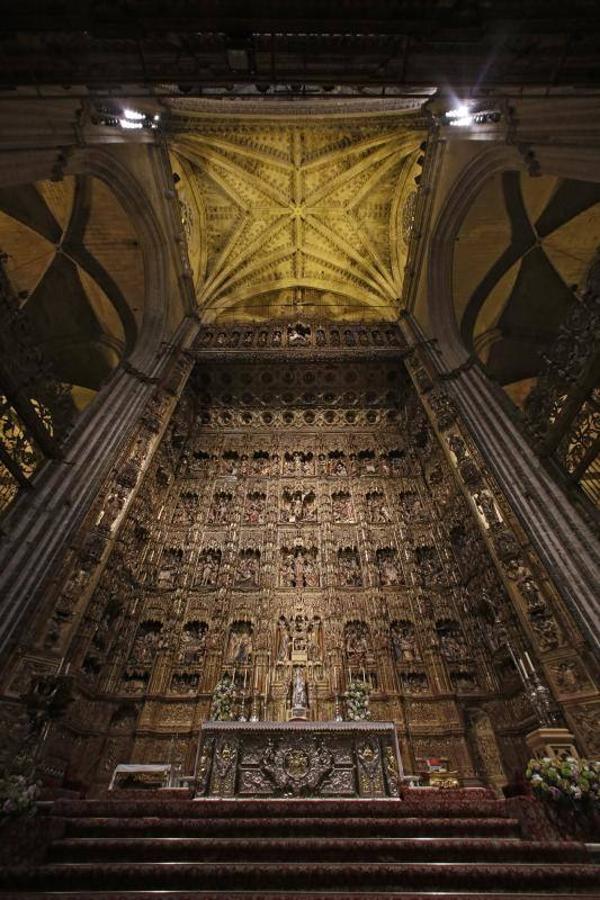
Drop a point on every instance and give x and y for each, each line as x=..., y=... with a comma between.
x=404, y=641
x=341, y=507
x=193, y=642
x=247, y=575
x=487, y=508
x=255, y=508
x=337, y=465
x=283, y=640
x=388, y=568
x=208, y=567
x=169, y=567
x=298, y=334
x=349, y=567
x=221, y=508
x=356, y=635
x=377, y=507
x=299, y=696
x=240, y=644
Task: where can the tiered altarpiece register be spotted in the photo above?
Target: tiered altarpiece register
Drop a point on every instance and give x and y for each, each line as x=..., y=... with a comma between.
x=315, y=514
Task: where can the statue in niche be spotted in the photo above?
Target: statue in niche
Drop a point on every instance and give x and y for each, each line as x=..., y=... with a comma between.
x=276, y=338
x=297, y=463
x=487, y=508
x=388, y=567
x=220, y=513
x=298, y=335
x=377, y=507
x=231, y=463
x=187, y=505
x=248, y=571
x=337, y=464
x=428, y=561
x=313, y=637
x=415, y=683
x=531, y=591
x=146, y=642
x=299, y=567
x=254, y=513
x=193, y=643
x=410, y=503
x=134, y=681
x=170, y=565
x=367, y=462
x=260, y=463
x=299, y=694
x=239, y=650
x=404, y=641
x=209, y=563
x=540, y=615
x=451, y=639
x=397, y=461
x=298, y=506
x=106, y=626
x=341, y=507
x=299, y=634
x=185, y=682
x=201, y=460
x=458, y=447
x=568, y=677
x=349, y=567
x=547, y=632
x=356, y=639
x=283, y=640
x=464, y=681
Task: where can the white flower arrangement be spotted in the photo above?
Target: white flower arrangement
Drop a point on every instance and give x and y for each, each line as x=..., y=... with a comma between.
x=565, y=779
x=222, y=700
x=357, y=701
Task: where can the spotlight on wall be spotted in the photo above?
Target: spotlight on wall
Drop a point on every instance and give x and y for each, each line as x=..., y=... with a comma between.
x=459, y=116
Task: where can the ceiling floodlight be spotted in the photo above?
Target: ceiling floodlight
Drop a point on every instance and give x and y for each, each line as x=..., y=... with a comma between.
x=460, y=116
x=133, y=115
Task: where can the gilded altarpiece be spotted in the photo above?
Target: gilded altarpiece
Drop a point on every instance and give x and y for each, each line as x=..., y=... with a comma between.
x=302, y=523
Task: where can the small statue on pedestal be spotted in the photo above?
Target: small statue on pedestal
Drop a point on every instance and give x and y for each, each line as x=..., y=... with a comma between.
x=299, y=695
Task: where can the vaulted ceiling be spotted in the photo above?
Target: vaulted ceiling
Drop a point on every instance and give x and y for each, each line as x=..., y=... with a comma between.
x=298, y=216
x=525, y=247
x=72, y=255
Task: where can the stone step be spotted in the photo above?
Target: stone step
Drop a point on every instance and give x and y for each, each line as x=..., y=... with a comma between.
x=352, y=878
x=277, y=895
x=467, y=804
x=313, y=850
x=293, y=827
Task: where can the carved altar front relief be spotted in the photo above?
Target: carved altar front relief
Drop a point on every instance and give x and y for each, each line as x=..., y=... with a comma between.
x=298, y=760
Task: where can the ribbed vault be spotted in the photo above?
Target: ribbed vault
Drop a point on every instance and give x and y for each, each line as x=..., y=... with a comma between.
x=295, y=215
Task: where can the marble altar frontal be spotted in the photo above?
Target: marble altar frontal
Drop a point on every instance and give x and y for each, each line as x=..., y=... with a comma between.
x=298, y=759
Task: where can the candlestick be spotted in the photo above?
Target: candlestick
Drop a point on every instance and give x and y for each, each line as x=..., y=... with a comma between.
x=523, y=669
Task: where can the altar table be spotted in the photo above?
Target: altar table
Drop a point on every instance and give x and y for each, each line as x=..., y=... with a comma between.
x=298, y=759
